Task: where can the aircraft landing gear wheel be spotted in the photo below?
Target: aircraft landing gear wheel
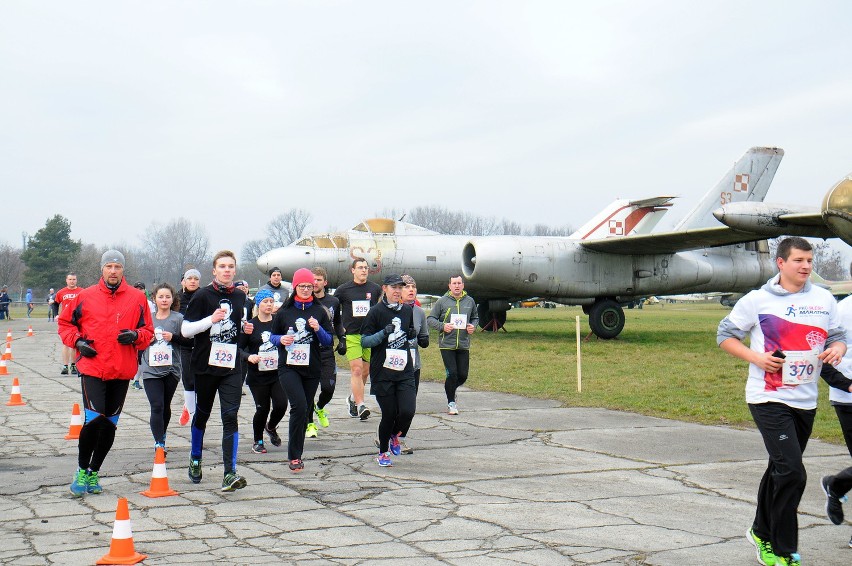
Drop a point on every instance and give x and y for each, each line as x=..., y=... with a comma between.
x=491, y=321
x=606, y=318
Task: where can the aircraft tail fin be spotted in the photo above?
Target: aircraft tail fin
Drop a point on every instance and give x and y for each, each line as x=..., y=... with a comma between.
x=624, y=217
x=747, y=180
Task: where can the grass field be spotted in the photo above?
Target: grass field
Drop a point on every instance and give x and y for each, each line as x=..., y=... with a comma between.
x=665, y=364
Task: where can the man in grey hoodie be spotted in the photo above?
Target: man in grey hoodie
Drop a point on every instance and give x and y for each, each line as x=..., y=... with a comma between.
x=794, y=328
x=454, y=316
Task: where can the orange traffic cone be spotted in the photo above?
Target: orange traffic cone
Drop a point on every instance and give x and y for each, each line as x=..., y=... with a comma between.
x=30, y=330
x=3, y=369
x=15, y=398
x=76, y=423
x=9, y=335
x=121, y=549
x=159, y=480
x=8, y=354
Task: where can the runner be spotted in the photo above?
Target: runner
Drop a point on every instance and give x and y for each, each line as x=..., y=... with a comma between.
x=356, y=298
x=262, y=356
x=108, y=323
x=794, y=331
x=387, y=328
x=190, y=283
x=160, y=363
x=279, y=290
x=300, y=326
x=214, y=319
x=328, y=378
x=421, y=340
x=65, y=297
x=454, y=316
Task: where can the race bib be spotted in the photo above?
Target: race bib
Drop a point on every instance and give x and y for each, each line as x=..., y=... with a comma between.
x=159, y=355
x=360, y=308
x=395, y=359
x=459, y=321
x=800, y=366
x=268, y=361
x=299, y=355
x=222, y=355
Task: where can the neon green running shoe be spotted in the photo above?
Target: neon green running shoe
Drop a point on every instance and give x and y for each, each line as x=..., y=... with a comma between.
x=792, y=560
x=322, y=416
x=80, y=483
x=94, y=485
x=311, y=431
x=764, y=549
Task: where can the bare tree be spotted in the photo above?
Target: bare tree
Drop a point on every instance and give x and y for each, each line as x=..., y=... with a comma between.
x=828, y=262
x=169, y=250
x=510, y=228
x=252, y=250
x=286, y=228
x=545, y=230
x=87, y=264
x=11, y=266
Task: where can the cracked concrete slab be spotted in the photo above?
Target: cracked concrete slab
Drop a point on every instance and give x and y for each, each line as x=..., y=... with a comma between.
x=508, y=481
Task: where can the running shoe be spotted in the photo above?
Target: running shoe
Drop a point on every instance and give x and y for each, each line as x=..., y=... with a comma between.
x=311, y=431
x=258, y=447
x=353, y=408
x=296, y=466
x=405, y=448
x=94, y=485
x=233, y=481
x=322, y=416
x=64, y=370
x=792, y=560
x=273, y=436
x=764, y=549
x=363, y=412
x=184, y=417
x=74, y=369
x=452, y=409
x=194, y=471
x=136, y=385
x=850, y=543
x=833, y=504
x=384, y=459
x=394, y=445
x=80, y=483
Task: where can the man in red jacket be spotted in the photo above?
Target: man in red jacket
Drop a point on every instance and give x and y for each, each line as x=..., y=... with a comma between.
x=107, y=323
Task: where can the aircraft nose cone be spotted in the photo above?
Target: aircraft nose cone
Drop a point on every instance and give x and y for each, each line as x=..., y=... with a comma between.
x=288, y=259
x=837, y=209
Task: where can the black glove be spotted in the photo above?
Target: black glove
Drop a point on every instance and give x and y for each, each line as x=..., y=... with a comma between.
x=341, y=347
x=423, y=341
x=388, y=329
x=127, y=336
x=85, y=350
x=412, y=333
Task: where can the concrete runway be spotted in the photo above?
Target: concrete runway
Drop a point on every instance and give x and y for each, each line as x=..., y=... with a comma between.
x=508, y=481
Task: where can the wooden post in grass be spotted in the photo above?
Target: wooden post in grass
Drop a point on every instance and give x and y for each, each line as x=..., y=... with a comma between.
x=579, y=365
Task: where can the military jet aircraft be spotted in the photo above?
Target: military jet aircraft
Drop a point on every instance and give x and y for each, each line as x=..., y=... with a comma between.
x=718, y=247
x=840, y=289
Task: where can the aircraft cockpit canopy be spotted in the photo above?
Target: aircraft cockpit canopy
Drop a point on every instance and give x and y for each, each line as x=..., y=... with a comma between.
x=329, y=241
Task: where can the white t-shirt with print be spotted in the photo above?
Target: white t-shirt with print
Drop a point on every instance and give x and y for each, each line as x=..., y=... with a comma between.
x=797, y=322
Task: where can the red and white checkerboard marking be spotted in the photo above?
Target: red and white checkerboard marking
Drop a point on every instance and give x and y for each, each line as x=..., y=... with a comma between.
x=616, y=228
x=741, y=183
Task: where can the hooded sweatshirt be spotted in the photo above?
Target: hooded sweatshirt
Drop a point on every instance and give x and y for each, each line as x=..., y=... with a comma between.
x=800, y=324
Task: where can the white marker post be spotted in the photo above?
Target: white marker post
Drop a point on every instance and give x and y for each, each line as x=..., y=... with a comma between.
x=579, y=361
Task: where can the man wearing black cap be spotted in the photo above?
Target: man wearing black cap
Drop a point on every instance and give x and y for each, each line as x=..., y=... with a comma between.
x=108, y=323
x=277, y=288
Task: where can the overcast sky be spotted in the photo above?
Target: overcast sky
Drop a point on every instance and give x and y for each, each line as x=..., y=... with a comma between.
x=117, y=114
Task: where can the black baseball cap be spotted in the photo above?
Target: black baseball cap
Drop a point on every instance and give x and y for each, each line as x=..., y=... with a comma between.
x=393, y=279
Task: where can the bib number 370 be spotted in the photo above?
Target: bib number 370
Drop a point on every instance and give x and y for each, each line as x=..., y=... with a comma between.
x=800, y=367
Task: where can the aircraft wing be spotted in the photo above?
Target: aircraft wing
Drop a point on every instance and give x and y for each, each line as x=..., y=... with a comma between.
x=744, y=222
x=672, y=242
